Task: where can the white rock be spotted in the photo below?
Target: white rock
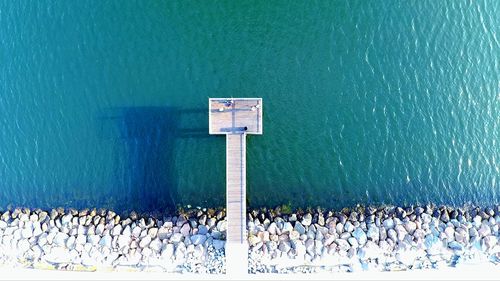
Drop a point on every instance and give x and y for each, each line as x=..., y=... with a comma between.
x=354, y=243
x=105, y=241
x=272, y=228
x=81, y=239
x=348, y=227
x=70, y=243
x=127, y=231
x=155, y=245
x=93, y=239
x=26, y=233
x=410, y=227
x=37, y=231
x=23, y=245
x=136, y=232
x=198, y=251
x=66, y=219
x=167, y=251
x=99, y=229
x=450, y=233
x=388, y=223
x=60, y=239
x=176, y=238
x=42, y=239
x=124, y=241
x=145, y=241
x=117, y=230
x=307, y=219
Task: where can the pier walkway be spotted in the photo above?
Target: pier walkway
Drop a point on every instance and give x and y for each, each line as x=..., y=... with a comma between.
x=235, y=118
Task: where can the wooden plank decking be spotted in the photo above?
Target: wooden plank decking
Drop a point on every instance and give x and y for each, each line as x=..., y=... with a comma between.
x=236, y=188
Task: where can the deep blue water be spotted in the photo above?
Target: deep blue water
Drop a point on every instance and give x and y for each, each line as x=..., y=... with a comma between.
x=104, y=103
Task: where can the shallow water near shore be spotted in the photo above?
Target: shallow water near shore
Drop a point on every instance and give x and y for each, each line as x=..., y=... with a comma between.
x=105, y=103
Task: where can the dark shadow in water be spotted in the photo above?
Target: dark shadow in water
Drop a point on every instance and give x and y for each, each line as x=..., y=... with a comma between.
x=146, y=140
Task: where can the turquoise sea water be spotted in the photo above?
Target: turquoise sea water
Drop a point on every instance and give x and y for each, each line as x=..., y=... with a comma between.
x=104, y=103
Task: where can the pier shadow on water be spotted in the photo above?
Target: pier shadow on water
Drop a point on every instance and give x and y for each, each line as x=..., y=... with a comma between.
x=145, y=140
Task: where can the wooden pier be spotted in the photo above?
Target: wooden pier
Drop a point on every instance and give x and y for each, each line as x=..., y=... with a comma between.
x=235, y=118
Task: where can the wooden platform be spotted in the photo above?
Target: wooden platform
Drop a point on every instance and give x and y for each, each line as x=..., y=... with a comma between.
x=232, y=115
x=235, y=118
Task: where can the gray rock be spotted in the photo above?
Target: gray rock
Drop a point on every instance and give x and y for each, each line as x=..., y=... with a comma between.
x=455, y=246
x=37, y=231
x=66, y=219
x=198, y=239
x=489, y=241
x=392, y=234
x=202, y=229
x=373, y=233
x=484, y=230
x=198, y=251
x=400, y=231
x=342, y=244
x=287, y=227
x=284, y=246
x=360, y=236
x=299, y=228
x=218, y=244
x=185, y=229
x=309, y=244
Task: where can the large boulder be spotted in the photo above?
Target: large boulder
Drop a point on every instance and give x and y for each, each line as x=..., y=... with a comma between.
x=360, y=236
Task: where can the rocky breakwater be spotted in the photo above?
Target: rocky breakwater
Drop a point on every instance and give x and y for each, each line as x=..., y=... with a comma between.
x=100, y=239
x=382, y=239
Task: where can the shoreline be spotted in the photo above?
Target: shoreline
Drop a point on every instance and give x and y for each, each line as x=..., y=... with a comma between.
x=359, y=239
x=89, y=240
x=371, y=239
